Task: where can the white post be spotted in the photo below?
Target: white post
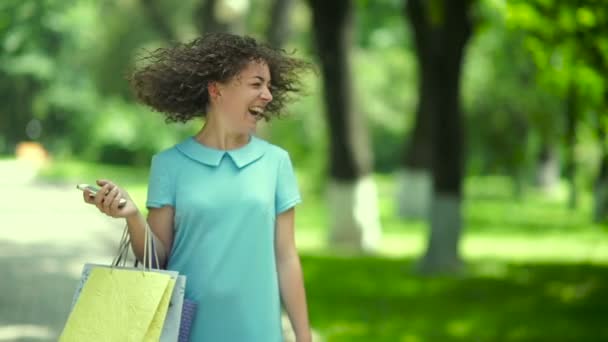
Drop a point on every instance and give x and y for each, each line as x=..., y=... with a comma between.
x=354, y=215
x=413, y=193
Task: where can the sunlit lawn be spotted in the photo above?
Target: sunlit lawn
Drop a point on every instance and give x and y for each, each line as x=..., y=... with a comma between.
x=536, y=270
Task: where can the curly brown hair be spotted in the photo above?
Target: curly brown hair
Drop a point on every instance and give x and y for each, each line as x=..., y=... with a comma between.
x=173, y=80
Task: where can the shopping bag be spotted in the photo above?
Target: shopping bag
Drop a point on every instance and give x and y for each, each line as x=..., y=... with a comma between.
x=188, y=313
x=171, y=328
x=174, y=322
x=180, y=316
x=119, y=305
x=114, y=303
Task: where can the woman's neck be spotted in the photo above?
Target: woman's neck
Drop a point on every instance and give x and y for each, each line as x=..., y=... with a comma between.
x=217, y=137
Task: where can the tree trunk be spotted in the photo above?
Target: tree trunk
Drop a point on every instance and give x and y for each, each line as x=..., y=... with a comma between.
x=414, y=190
x=547, y=174
x=600, y=212
x=519, y=156
x=207, y=20
x=518, y=183
x=570, y=171
x=278, y=30
x=600, y=191
x=414, y=180
x=352, y=193
x=19, y=112
x=157, y=19
x=442, y=29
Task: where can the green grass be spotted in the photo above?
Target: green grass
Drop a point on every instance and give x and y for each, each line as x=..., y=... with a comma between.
x=379, y=299
x=536, y=271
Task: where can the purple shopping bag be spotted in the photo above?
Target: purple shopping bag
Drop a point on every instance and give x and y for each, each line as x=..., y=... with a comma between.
x=188, y=313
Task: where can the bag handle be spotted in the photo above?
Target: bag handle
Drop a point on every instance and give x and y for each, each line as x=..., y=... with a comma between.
x=123, y=251
x=149, y=250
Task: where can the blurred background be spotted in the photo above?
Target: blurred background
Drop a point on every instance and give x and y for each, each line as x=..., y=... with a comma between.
x=452, y=156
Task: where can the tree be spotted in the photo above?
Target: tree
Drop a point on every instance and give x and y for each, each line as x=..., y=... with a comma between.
x=218, y=16
x=441, y=30
x=568, y=40
x=278, y=29
x=414, y=180
x=507, y=111
x=31, y=44
x=352, y=191
x=570, y=141
x=157, y=19
x=600, y=209
x=206, y=19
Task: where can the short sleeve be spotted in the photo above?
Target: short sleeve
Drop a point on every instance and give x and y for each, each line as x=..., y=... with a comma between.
x=160, y=189
x=287, y=192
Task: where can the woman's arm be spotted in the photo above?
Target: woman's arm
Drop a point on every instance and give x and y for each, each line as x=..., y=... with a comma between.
x=291, y=283
x=160, y=221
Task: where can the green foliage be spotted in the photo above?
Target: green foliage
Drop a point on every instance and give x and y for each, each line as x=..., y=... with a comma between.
x=66, y=64
x=384, y=85
x=29, y=41
x=387, y=99
x=134, y=132
x=567, y=40
x=380, y=24
x=507, y=110
x=82, y=52
x=385, y=78
x=521, y=67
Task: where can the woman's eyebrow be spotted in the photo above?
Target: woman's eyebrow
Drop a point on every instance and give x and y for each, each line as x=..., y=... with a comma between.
x=260, y=78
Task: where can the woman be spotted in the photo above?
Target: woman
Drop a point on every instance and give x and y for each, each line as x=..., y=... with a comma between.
x=221, y=203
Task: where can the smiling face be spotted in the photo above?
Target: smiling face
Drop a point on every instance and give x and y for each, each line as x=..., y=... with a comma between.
x=240, y=103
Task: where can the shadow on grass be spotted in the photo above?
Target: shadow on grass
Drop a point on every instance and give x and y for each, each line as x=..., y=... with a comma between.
x=375, y=299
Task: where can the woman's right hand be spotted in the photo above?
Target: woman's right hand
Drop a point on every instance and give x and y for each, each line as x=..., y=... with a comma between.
x=107, y=200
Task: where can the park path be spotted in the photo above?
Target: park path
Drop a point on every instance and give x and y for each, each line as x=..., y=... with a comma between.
x=46, y=234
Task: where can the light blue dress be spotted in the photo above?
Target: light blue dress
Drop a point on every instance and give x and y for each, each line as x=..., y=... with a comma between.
x=226, y=204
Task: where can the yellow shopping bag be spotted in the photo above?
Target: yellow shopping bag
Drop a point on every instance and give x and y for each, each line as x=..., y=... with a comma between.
x=120, y=305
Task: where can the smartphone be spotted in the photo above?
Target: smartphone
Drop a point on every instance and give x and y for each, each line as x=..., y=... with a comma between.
x=93, y=191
